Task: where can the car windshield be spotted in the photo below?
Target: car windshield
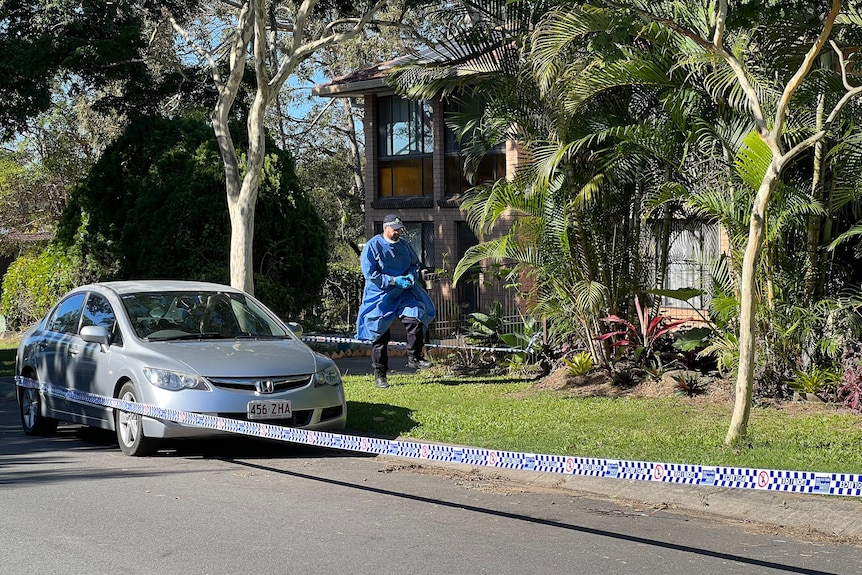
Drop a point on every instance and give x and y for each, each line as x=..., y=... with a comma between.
x=199, y=315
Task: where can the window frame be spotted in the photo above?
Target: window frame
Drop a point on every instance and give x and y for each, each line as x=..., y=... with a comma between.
x=50, y=325
x=89, y=317
x=397, y=178
x=420, y=236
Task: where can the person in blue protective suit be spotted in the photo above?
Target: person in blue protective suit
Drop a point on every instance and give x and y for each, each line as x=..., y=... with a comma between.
x=391, y=269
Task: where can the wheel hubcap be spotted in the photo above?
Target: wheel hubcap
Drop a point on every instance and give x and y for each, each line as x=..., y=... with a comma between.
x=129, y=423
x=30, y=407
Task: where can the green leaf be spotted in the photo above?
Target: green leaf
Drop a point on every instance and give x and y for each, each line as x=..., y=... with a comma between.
x=683, y=294
x=692, y=339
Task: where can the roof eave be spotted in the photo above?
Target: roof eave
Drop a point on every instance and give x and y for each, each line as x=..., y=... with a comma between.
x=351, y=89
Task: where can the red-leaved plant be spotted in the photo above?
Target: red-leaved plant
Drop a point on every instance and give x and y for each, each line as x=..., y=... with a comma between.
x=850, y=392
x=640, y=340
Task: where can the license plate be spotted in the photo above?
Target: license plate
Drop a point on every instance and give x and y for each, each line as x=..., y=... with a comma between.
x=269, y=409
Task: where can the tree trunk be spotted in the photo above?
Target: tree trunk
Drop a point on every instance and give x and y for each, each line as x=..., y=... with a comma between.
x=663, y=253
x=745, y=373
x=353, y=143
x=237, y=199
x=812, y=262
x=242, y=207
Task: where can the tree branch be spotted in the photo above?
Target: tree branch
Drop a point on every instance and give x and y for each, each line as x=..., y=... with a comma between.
x=804, y=68
x=301, y=50
x=199, y=50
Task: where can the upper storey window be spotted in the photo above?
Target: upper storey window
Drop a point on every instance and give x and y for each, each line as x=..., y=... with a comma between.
x=406, y=147
x=492, y=165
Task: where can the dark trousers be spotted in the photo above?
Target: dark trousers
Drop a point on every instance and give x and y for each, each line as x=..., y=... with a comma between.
x=415, y=343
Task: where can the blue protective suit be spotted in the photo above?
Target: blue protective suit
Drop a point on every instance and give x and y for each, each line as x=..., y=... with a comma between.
x=382, y=301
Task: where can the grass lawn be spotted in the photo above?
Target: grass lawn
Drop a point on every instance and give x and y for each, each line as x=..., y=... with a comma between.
x=506, y=413
x=7, y=355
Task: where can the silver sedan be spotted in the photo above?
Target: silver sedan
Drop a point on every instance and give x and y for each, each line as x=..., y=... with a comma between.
x=190, y=346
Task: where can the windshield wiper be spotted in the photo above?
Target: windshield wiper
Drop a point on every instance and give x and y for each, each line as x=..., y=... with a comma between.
x=188, y=336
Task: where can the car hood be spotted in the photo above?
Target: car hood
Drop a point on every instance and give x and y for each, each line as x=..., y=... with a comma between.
x=243, y=358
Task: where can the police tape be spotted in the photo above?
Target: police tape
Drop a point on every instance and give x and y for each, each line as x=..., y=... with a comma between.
x=336, y=340
x=822, y=483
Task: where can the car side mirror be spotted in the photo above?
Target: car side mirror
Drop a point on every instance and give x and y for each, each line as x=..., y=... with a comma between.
x=96, y=334
x=295, y=328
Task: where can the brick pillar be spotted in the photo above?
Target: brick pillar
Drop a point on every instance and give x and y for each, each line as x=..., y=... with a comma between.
x=372, y=181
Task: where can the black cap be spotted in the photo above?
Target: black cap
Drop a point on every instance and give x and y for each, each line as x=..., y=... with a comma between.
x=393, y=221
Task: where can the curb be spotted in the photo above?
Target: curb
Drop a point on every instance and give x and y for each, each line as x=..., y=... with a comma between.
x=838, y=520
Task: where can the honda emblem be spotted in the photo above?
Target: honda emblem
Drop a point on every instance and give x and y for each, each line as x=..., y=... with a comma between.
x=265, y=386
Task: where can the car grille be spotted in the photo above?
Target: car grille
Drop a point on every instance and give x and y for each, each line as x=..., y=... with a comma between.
x=250, y=384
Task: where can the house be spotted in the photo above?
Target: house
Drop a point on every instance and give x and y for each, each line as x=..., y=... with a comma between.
x=413, y=167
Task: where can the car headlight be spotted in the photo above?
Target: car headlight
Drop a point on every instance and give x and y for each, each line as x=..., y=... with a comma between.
x=327, y=376
x=174, y=380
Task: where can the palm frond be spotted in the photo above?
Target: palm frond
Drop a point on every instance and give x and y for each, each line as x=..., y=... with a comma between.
x=753, y=160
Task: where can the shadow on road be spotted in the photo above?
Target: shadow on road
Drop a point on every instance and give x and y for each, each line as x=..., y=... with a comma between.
x=18, y=448
x=737, y=559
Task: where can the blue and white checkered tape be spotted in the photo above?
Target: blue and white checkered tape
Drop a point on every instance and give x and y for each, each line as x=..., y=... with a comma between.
x=843, y=484
x=336, y=339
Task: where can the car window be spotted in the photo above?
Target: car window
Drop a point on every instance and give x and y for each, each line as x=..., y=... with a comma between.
x=98, y=311
x=67, y=315
x=254, y=320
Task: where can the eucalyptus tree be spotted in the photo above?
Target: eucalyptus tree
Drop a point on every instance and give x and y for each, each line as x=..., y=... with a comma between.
x=268, y=41
x=773, y=113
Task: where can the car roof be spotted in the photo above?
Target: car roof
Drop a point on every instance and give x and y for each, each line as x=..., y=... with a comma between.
x=156, y=286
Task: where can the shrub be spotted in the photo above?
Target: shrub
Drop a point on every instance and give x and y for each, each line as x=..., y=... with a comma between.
x=688, y=384
x=35, y=281
x=642, y=340
x=817, y=380
x=579, y=364
x=154, y=206
x=850, y=392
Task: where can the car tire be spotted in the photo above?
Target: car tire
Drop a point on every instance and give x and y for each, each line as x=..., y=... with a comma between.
x=130, y=428
x=30, y=408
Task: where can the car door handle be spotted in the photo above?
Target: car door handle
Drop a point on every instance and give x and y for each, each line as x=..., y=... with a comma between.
x=41, y=344
x=74, y=351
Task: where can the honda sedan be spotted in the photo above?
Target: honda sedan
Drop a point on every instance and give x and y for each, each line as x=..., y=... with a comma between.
x=189, y=346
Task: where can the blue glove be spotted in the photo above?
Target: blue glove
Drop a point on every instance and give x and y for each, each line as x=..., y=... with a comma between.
x=404, y=282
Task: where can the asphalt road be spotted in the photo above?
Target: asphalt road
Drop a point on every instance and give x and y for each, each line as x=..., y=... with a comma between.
x=74, y=504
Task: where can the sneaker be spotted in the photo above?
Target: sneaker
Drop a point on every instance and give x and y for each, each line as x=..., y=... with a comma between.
x=380, y=381
x=418, y=363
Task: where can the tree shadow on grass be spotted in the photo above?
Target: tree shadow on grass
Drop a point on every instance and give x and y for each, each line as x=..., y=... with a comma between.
x=478, y=380
x=378, y=419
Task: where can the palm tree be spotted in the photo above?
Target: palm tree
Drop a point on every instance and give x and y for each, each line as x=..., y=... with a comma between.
x=662, y=104
x=596, y=149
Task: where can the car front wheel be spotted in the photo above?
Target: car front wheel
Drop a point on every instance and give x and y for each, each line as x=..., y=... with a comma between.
x=32, y=420
x=130, y=429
